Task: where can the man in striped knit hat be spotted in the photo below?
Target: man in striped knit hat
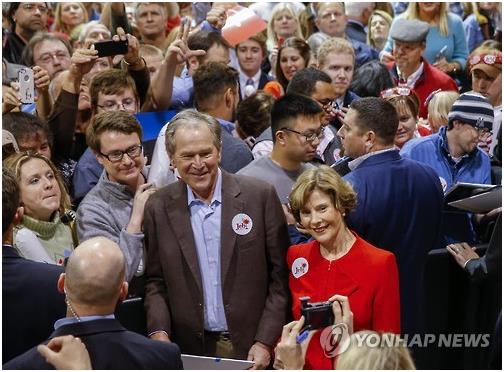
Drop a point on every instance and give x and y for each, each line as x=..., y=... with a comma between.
x=454, y=155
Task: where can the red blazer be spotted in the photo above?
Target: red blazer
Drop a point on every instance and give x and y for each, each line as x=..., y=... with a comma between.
x=366, y=275
x=432, y=79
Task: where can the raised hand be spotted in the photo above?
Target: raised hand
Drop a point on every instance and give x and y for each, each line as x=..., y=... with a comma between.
x=178, y=51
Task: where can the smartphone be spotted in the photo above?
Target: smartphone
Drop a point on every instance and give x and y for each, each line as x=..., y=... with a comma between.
x=111, y=48
x=26, y=85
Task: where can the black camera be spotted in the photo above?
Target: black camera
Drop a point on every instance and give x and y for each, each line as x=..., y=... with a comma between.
x=318, y=314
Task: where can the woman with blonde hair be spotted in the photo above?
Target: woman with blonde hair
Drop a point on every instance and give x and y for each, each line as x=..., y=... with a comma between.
x=379, y=27
x=283, y=24
x=446, y=46
x=370, y=350
x=46, y=232
x=68, y=16
x=439, y=107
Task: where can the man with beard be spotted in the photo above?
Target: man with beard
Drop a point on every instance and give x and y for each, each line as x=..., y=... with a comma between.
x=454, y=155
x=27, y=19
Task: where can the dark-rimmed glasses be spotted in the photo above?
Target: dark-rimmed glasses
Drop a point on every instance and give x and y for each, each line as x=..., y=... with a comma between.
x=117, y=155
x=309, y=137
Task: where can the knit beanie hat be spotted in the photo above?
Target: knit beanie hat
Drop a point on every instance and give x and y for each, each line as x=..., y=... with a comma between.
x=474, y=109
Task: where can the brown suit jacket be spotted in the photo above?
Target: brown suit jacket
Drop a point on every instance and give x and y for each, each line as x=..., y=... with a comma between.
x=253, y=266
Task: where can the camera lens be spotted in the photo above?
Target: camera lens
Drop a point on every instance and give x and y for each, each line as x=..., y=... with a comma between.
x=26, y=78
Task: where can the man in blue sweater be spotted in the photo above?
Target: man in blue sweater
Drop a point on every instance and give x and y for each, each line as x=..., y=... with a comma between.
x=454, y=155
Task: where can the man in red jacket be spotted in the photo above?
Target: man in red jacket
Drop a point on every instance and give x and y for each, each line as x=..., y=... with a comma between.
x=410, y=68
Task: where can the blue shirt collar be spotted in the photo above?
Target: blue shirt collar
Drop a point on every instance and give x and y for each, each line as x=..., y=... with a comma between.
x=443, y=143
x=217, y=195
x=227, y=125
x=64, y=321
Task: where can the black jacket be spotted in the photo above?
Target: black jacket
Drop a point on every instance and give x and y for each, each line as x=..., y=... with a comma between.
x=110, y=346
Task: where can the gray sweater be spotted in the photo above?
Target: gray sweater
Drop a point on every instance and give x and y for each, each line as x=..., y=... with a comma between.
x=106, y=211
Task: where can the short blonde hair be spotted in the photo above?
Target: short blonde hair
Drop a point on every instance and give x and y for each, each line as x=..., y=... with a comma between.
x=390, y=353
x=16, y=161
x=325, y=179
x=440, y=106
x=272, y=40
x=334, y=45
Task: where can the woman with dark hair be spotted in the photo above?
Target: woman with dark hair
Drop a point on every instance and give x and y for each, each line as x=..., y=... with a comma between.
x=370, y=79
x=294, y=55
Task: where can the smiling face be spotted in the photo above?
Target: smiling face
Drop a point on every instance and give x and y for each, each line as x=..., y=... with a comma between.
x=39, y=190
x=250, y=56
x=127, y=170
x=197, y=159
x=71, y=14
x=321, y=218
x=407, y=125
x=291, y=62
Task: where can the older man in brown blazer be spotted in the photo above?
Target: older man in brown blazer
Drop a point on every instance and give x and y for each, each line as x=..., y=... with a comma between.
x=217, y=279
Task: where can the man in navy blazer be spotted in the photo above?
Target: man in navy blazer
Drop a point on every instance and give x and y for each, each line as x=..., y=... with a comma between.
x=93, y=284
x=399, y=201
x=31, y=304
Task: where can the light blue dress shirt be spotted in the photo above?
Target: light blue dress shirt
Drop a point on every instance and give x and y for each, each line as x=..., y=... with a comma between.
x=206, y=227
x=64, y=321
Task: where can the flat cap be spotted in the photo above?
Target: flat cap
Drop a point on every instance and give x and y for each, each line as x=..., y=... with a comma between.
x=409, y=30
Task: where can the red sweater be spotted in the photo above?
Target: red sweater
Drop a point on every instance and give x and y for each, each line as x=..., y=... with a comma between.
x=366, y=275
x=431, y=79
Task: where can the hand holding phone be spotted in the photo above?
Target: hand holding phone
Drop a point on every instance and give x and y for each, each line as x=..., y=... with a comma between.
x=26, y=85
x=111, y=48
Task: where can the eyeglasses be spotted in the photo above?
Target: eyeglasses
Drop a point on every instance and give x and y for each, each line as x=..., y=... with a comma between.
x=394, y=92
x=117, y=156
x=32, y=7
x=48, y=57
x=487, y=59
x=127, y=105
x=309, y=137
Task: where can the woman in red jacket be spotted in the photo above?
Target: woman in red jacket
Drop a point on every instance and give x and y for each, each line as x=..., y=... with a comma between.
x=338, y=261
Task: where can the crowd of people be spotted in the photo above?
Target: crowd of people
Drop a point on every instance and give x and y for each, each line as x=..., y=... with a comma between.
x=308, y=155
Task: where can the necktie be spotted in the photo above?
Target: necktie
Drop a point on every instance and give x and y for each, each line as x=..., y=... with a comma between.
x=249, y=88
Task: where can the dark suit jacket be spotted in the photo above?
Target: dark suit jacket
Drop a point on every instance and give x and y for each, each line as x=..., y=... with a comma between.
x=356, y=31
x=31, y=302
x=110, y=346
x=399, y=204
x=253, y=269
x=490, y=265
x=263, y=79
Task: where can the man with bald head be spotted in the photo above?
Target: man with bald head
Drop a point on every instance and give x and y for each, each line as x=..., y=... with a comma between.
x=93, y=284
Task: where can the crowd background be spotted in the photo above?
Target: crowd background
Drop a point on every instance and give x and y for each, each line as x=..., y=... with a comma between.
x=400, y=100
